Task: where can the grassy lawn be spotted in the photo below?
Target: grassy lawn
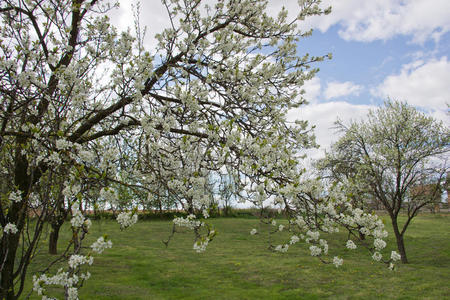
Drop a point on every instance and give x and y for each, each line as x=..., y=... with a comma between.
x=237, y=265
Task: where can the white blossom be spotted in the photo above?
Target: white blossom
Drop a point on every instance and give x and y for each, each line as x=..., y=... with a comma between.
x=72, y=293
x=200, y=246
x=37, y=285
x=379, y=244
x=253, y=231
x=282, y=248
x=337, y=261
x=324, y=245
x=10, y=228
x=315, y=251
x=294, y=239
x=54, y=158
x=377, y=256
x=364, y=230
x=126, y=219
x=85, y=276
x=350, y=244
x=15, y=197
x=189, y=222
x=76, y=260
x=77, y=218
x=380, y=233
x=87, y=156
x=312, y=235
x=300, y=221
x=109, y=195
x=100, y=245
x=395, y=256
x=63, y=144
x=87, y=223
x=61, y=278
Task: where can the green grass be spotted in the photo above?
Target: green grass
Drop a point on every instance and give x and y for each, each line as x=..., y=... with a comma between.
x=237, y=265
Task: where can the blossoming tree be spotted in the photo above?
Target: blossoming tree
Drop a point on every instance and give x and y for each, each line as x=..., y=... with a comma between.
x=390, y=156
x=219, y=84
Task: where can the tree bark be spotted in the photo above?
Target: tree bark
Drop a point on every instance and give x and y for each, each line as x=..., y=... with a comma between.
x=7, y=277
x=16, y=215
x=400, y=242
x=53, y=240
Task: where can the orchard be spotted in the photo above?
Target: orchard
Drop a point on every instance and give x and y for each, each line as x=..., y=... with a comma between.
x=91, y=120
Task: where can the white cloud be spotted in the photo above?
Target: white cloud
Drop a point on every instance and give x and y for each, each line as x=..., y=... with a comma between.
x=422, y=84
x=337, y=89
x=383, y=19
x=153, y=16
x=323, y=116
x=312, y=90
x=358, y=20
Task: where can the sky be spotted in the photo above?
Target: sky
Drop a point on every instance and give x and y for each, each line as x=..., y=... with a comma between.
x=397, y=49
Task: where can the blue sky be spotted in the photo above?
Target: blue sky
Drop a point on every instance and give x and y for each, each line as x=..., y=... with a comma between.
x=365, y=67
x=381, y=48
x=369, y=63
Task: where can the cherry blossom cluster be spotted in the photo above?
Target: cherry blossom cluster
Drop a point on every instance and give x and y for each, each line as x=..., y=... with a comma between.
x=78, y=220
x=127, y=219
x=326, y=212
x=72, y=279
x=204, y=233
x=61, y=278
x=101, y=244
x=190, y=222
x=10, y=229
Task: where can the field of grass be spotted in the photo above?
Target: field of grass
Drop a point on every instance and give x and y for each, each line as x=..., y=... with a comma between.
x=237, y=265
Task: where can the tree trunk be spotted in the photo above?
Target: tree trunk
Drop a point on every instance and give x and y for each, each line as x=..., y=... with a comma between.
x=53, y=240
x=56, y=223
x=16, y=215
x=8, y=258
x=400, y=242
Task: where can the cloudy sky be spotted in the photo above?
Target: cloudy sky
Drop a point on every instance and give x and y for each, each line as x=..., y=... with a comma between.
x=381, y=48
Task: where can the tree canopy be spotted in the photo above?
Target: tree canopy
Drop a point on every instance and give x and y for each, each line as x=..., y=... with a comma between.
x=86, y=108
x=388, y=157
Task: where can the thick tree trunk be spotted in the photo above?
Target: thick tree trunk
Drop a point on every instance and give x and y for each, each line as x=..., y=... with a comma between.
x=400, y=242
x=226, y=209
x=56, y=222
x=7, y=261
x=53, y=240
x=10, y=242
